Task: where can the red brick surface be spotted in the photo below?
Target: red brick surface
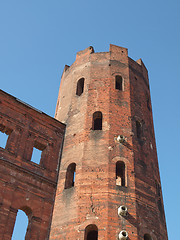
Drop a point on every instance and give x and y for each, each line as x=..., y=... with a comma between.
x=95, y=198
x=24, y=184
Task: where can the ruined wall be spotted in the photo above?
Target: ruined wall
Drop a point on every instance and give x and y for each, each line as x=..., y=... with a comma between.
x=25, y=184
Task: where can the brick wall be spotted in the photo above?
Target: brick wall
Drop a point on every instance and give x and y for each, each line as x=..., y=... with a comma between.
x=95, y=197
x=25, y=184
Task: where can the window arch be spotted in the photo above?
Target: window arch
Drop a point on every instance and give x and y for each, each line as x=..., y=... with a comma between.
x=80, y=87
x=147, y=237
x=138, y=129
x=70, y=176
x=119, y=82
x=91, y=232
x=21, y=223
x=97, y=121
x=120, y=174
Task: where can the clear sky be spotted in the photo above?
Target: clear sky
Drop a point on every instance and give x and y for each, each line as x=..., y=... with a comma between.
x=38, y=37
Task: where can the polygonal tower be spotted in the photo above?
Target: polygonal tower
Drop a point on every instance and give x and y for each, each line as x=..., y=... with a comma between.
x=109, y=184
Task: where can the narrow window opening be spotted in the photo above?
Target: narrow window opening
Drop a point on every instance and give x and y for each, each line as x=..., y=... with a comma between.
x=92, y=235
x=97, y=121
x=160, y=206
x=120, y=173
x=70, y=176
x=148, y=104
x=37, y=153
x=20, y=227
x=91, y=232
x=74, y=176
x=147, y=237
x=119, y=83
x=158, y=189
x=138, y=129
x=4, y=134
x=80, y=87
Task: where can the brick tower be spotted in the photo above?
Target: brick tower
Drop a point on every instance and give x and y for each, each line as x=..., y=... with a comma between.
x=109, y=184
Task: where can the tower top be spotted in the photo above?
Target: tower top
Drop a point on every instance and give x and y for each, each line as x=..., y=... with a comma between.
x=116, y=53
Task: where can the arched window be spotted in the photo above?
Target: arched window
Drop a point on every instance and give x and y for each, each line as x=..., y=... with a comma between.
x=70, y=176
x=147, y=237
x=97, y=121
x=80, y=87
x=120, y=173
x=138, y=129
x=91, y=232
x=119, y=82
x=21, y=224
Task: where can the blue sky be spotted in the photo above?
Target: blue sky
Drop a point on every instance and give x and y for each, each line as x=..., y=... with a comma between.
x=38, y=37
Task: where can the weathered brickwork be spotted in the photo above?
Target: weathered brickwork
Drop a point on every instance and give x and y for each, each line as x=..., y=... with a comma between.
x=24, y=184
x=96, y=195
x=108, y=164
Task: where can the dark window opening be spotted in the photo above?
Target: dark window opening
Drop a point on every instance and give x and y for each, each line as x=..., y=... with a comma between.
x=119, y=83
x=148, y=104
x=160, y=206
x=80, y=87
x=120, y=173
x=93, y=235
x=97, y=121
x=138, y=129
x=37, y=153
x=158, y=189
x=70, y=176
x=4, y=134
x=91, y=232
x=147, y=237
